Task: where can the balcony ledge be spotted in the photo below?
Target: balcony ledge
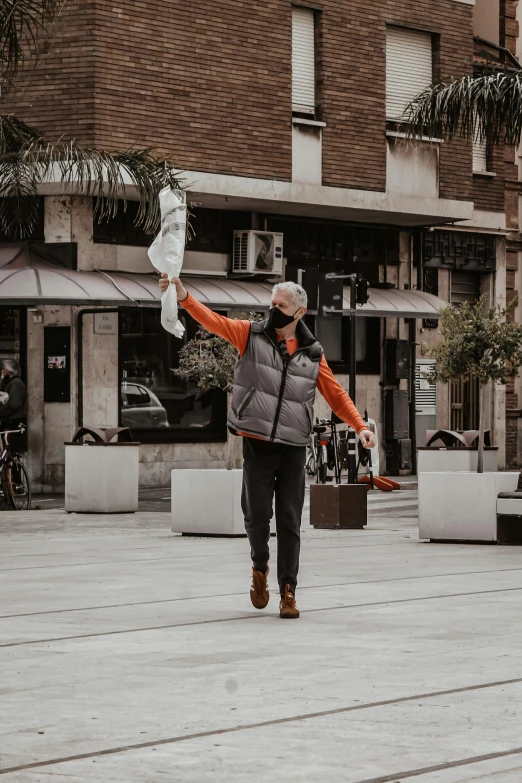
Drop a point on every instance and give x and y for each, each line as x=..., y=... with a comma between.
x=221, y=191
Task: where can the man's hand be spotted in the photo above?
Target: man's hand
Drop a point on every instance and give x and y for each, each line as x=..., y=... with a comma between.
x=164, y=283
x=368, y=439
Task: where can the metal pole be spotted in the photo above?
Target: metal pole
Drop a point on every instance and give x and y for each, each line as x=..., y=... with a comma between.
x=353, y=337
x=412, y=394
x=352, y=443
x=418, y=250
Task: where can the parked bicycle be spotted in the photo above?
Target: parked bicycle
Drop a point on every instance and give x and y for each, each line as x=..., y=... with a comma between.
x=324, y=452
x=15, y=487
x=329, y=451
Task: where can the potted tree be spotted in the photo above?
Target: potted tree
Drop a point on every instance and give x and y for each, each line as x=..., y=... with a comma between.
x=480, y=343
x=208, y=502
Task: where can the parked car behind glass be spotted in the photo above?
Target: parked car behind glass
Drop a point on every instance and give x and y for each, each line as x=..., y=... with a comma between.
x=141, y=409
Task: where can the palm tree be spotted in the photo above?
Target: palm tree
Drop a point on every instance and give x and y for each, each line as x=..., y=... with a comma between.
x=483, y=106
x=27, y=160
x=23, y=23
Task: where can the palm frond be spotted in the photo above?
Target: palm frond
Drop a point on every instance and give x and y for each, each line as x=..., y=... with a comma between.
x=14, y=134
x=103, y=175
x=487, y=106
x=19, y=208
x=22, y=24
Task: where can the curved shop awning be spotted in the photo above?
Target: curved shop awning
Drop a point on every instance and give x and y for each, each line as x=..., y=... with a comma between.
x=31, y=275
x=28, y=277
x=396, y=303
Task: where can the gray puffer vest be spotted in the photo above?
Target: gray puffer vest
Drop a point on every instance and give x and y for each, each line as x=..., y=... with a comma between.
x=273, y=398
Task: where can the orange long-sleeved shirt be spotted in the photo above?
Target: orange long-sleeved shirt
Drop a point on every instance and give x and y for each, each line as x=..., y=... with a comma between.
x=237, y=332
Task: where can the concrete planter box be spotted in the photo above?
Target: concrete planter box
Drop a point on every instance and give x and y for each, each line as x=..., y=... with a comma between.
x=434, y=460
x=208, y=502
x=461, y=506
x=101, y=478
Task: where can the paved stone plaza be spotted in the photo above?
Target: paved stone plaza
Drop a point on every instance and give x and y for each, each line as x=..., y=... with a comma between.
x=133, y=655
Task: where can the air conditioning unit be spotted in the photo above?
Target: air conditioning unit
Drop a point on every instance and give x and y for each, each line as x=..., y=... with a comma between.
x=258, y=253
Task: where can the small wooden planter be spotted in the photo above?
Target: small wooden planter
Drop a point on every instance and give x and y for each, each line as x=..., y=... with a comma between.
x=338, y=506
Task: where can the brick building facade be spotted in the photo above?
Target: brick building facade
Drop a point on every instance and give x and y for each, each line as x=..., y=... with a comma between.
x=210, y=86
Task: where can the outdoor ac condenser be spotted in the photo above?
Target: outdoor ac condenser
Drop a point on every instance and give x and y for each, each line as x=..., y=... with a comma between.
x=258, y=253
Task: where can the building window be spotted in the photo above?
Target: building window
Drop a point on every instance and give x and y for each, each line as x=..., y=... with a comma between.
x=329, y=332
x=409, y=68
x=333, y=332
x=480, y=155
x=121, y=229
x=303, y=62
x=465, y=287
x=12, y=335
x=158, y=406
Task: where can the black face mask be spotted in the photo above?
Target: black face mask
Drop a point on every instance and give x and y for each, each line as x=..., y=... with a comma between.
x=278, y=320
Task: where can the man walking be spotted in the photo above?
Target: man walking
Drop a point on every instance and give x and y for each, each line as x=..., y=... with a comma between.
x=280, y=366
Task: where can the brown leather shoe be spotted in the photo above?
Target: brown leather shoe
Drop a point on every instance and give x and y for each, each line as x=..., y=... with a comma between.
x=287, y=608
x=259, y=594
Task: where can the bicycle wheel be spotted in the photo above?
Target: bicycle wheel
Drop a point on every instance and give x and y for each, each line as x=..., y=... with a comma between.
x=17, y=488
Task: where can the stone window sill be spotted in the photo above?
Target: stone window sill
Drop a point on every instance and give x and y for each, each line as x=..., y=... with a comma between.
x=313, y=123
x=402, y=135
x=490, y=174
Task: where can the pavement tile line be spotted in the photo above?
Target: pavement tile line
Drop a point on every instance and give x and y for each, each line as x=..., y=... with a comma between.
x=233, y=595
x=294, y=719
x=375, y=533
x=413, y=773
x=256, y=616
x=174, y=559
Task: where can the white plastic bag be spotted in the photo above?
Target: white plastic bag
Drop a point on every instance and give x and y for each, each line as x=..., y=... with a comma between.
x=166, y=253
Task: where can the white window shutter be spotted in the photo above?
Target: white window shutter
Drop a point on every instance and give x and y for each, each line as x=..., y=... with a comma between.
x=409, y=68
x=303, y=61
x=480, y=155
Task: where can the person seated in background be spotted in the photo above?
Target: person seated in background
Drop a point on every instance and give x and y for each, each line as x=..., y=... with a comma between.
x=14, y=411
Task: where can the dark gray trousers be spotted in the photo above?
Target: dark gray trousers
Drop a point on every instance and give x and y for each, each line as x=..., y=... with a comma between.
x=274, y=470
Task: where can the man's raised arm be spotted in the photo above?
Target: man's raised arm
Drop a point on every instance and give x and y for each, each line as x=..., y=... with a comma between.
x=235, y=332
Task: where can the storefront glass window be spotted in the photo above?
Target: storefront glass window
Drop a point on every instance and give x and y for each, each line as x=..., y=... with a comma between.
x=10, y=334
x=156, y=404
x=333, y=332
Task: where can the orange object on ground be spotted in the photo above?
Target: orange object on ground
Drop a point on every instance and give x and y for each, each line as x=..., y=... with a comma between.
x=382, y=483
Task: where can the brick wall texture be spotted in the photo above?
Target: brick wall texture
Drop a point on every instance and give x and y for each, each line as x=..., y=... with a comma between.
x=209, y=84
x=488, y=192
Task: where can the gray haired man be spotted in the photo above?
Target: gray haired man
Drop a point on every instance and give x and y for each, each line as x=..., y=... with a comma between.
x=280, y=366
